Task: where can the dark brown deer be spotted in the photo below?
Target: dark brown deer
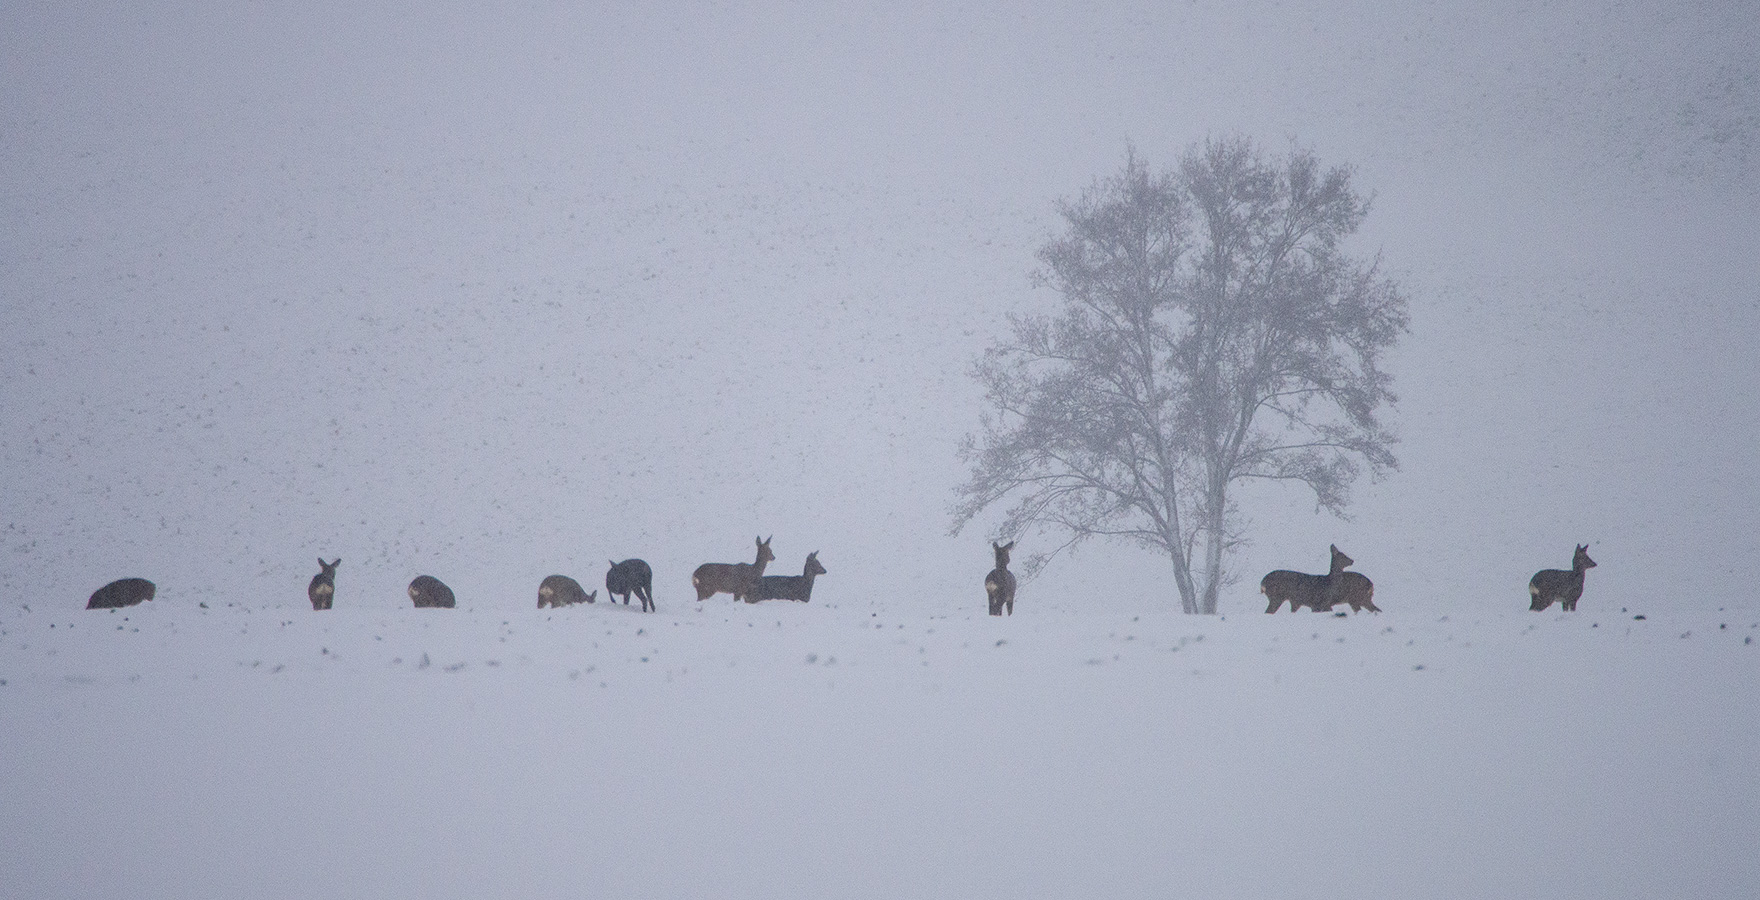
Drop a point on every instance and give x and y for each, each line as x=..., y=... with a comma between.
x=788, y=587
x=999, y=584
x=1353, y=588
x=733, y=578
x=1550, y=585
x=125, y=592
x=632, y=576
x=1320, y=592
x=429, y=593
x=558, y=591
x=322, y=590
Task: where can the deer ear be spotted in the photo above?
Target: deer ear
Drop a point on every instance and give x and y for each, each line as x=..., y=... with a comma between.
x=1008, y=546
x=321, y=563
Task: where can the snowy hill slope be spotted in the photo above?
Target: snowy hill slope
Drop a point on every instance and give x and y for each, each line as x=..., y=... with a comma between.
x=492, y=293
x=840, y=750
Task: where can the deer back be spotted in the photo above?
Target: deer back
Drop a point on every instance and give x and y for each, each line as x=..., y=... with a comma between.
x=322, y=590
x=1298, y=589
x=120, y=593
x=561, y=590
x=428, y=592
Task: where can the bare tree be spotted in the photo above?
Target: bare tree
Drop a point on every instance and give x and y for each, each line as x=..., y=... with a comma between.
x=1212, y=331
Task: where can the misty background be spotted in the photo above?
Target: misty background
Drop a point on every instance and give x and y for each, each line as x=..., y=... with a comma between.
x=492, y=293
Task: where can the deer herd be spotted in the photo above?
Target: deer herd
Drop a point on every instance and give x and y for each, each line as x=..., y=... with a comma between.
x=747, y=581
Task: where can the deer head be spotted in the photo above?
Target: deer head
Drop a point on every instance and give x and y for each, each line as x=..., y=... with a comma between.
x=1002, y=553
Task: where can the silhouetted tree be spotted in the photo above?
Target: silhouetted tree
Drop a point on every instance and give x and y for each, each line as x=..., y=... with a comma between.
x=1212, y=331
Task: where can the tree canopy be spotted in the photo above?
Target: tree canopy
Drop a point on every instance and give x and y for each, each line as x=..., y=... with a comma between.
x=1212, y=330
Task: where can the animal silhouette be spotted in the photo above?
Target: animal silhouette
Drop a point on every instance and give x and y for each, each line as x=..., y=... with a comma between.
x=733, y=578
x=120, y=593
x=322, y=590
x=1550, y=585
x=429, y=592
x=632, y=576
x=1320, y=593
x=999, y=584
x=561, y=590
x=789, y=587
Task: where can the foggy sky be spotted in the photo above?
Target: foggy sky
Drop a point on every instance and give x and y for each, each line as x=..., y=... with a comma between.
x=492, y=294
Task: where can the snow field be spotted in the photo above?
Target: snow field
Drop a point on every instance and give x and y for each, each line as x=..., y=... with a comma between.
x=783, y=750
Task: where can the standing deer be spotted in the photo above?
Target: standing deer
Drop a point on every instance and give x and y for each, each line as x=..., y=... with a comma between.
x=632, y=576
x=999, y=584
x=1320, y=592
x=428, y=592
x=788, y=587
x=125, y=592
x=322, y=590
x=1353, y=588
x=560, y=590
x=734, y=578
x=1549, y=585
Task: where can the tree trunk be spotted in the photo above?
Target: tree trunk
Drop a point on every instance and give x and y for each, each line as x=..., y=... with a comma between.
x=1215, y=540
x=1182, y=578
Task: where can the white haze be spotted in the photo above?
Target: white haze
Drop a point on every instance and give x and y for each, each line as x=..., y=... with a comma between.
x=492, y=292
x=496, y=294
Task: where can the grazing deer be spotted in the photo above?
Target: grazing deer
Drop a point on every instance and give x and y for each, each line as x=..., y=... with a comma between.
x=117, y=594
x=322, y=590
x=1549, y=585
x=999, y=584
x=788, y=587
x=734, y=578
x=632, y=576
x=1320, y=592
x=556, y=591
x=428, y=592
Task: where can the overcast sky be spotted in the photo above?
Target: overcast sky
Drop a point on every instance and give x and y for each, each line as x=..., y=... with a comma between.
x=494, y=293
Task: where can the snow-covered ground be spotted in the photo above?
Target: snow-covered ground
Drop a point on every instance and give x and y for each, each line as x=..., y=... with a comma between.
x=839, y=750
x=493, y=292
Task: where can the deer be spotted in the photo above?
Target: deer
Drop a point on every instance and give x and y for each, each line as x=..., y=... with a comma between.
x=632, y=576
x=322, y=590
x=1550, y=585
x=788, y=587
x=429, y=593
x=999, y=584
x=558, y=591
x=734, y=578
x=1353, y=588
x=1320, y=592
x=120, y=593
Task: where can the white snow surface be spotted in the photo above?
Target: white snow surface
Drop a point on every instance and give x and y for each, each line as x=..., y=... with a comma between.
x=841, y=749
x=491, y=292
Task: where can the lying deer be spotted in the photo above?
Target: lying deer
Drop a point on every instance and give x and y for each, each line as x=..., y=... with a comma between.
x=1549, y=585
x=632, y=576
x=1320, y=592
x=322, y=590
x=999, y=584
x=733, y=578
x=117, y=594
x=559, y=591
x=426, y=591
x=788, y=587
